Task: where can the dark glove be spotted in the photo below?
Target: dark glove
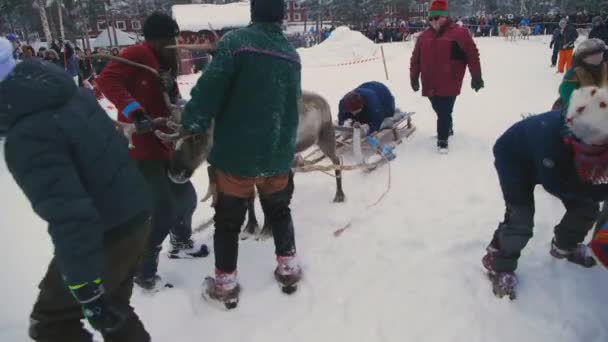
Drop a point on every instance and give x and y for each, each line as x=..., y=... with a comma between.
x=143, y=122
x=100, y=314
x=477, y=83
x=415, y=85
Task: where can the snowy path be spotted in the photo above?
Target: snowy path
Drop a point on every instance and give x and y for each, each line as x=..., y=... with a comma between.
x=407, y=270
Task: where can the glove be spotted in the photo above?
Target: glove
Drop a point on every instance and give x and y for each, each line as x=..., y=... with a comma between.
x=100, y=314
x=143, y=122
x=477, y=83
x=348, y=123
x=415, y=85
x=364, y=129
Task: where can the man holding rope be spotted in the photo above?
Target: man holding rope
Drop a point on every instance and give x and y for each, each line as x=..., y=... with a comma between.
x=138, y=95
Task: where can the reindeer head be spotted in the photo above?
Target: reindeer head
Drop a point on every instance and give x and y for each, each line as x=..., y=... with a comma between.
x=190, y=152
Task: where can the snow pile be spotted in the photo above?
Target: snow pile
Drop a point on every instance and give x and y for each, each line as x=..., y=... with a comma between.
x=211, y=17
x=342, y=47
x=124, y=38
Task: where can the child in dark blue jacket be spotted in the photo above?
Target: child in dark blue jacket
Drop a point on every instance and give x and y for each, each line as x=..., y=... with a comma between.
x=568, y=156
x=369, y=105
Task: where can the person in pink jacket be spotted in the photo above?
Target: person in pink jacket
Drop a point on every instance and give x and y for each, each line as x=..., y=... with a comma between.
x=441, y=56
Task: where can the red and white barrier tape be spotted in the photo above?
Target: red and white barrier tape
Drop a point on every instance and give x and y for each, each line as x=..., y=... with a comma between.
x=359, y=61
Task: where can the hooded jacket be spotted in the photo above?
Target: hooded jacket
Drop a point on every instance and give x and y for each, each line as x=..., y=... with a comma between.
x=66, y=156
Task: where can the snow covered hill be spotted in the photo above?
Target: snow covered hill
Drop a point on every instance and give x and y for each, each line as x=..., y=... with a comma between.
x=408, y=270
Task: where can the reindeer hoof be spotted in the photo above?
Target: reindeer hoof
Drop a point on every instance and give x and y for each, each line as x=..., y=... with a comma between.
x=265, y=234
x=340, y=198
x=251, y=229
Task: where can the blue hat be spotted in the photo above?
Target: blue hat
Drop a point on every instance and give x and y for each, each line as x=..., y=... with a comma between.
x=7, y=62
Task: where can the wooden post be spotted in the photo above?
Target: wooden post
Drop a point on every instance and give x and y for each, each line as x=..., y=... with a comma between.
x=358, y=154
x=384, y=61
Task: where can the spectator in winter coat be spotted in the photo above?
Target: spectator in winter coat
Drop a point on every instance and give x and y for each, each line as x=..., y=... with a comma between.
x=52, y=57
x=138, y=96
x=85, y=65
x=441, y=56
x=569, y=158
x=251, y=89
x=556, y=45
x=64, y=153
x=569, y=36
x=589, y=69
x=70, y=62
x=369, y=105
x=599, y=31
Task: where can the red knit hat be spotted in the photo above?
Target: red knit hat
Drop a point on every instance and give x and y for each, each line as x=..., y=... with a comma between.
x=353, y=102
x=438, y=7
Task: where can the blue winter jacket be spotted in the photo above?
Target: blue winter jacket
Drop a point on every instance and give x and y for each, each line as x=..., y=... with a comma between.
x=74, y=167
x=532, y=152
x=379, y=104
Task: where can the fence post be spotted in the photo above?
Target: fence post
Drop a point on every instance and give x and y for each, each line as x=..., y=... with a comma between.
x=384, y=61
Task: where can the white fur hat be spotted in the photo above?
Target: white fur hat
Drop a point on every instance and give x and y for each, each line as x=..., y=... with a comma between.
x=587, y=115
x=7, y=62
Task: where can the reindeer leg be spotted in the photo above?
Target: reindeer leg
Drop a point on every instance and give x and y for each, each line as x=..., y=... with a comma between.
x=252, y=227
x=327, y=144
x=266, y=232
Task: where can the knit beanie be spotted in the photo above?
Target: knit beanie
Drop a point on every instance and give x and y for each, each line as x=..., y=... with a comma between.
x=160, y=26
x=7, y=62
x=353, y=102
x=588, y=48
x=587, y=116
x=438, y=8
x=267, y=11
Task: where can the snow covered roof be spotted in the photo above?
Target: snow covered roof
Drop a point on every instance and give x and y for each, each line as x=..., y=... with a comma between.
x=124, y=38
x=211, y=17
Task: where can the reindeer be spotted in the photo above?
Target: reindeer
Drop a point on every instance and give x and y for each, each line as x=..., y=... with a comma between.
x=315, y=128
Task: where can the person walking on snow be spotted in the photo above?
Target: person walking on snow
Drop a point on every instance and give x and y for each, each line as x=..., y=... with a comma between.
x=440, y=57
x=265, y=120
x=65, y=154
x=569, y=37
x=137, y=94
x=567, y=154
x=371, y=105
x=556, y=45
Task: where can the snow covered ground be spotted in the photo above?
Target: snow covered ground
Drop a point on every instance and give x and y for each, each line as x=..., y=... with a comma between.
x=408, y=270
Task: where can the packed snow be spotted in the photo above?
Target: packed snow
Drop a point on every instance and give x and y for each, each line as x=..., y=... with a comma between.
x=408, y=269
x=342, y=47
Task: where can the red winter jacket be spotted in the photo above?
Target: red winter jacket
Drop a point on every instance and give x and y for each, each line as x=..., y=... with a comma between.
x=130, y=88
x=442, y=57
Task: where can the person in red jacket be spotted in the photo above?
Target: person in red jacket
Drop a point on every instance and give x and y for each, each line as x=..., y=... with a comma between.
x=441, y=56
x=137, y=94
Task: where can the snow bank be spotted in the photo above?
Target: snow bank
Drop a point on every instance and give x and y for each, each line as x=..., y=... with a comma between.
x=124, y=39
x=211, y=17
x=342, y=47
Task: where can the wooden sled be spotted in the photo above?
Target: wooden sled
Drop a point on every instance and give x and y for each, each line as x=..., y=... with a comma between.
x=350, y=141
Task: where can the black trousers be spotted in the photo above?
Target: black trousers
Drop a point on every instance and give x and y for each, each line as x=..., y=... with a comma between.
x=56, y=316
x=174, y=205
x=229, y=217
x=516, y=230
x=554, y=56
x=443, y=106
